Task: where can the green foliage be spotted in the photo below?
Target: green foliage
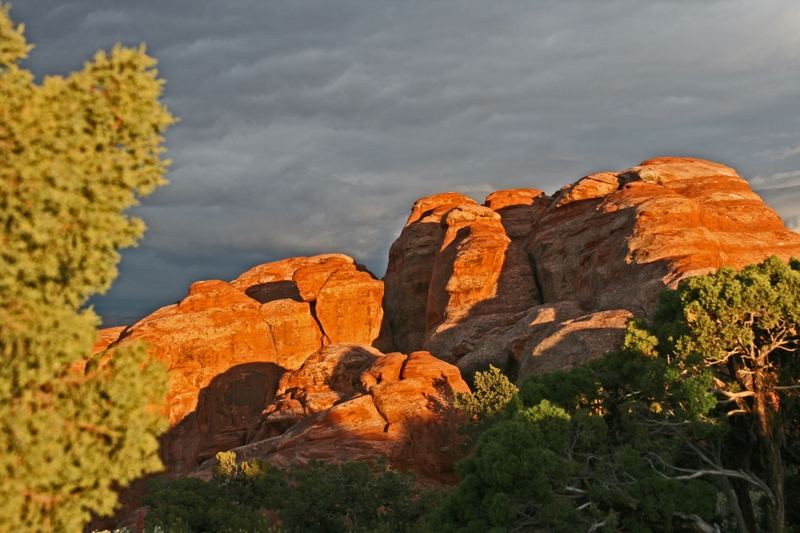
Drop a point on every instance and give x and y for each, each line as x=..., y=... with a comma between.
x=226, y=466
x=493, y=392
x=13, y=47
x=250, y=483
x=742, y=329
x=512, y=476
x=75, y=152
x=318, y=497
x=231, y=502
x=189, y=505
x=713, y=318
x=663, y=433
x=591, y=464
x=350, y=497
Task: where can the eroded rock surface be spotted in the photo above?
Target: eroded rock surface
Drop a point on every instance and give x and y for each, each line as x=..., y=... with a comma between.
x=615, y=240
x=283, y=363
x=480, y=280
x=411, y=263
x=588, y=257
x=350, y=402
x=226, y=344
x=519, y=209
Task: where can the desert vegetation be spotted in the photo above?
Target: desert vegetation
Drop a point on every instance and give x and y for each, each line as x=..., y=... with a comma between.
x=76, y=152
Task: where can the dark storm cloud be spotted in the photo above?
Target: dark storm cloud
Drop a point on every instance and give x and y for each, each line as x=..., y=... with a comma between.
x=310, y=127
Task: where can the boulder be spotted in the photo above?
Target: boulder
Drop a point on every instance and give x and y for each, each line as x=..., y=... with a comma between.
x=350, y=402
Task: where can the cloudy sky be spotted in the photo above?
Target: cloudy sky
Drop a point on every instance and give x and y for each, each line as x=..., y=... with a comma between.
x=311, y=126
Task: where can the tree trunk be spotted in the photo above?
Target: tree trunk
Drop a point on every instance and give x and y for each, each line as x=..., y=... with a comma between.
x=770, y=457
x=739, y=496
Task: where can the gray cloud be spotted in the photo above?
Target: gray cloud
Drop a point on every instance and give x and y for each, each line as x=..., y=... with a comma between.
x=311, y=126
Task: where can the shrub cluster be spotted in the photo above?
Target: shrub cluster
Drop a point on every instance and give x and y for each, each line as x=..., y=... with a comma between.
x=253, y=496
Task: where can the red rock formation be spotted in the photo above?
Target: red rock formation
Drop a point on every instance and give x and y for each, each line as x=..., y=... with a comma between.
x=243, y=335
x=106, y=336
x=350, y=402
x=519, y=209
x=217, y=327
x=549, y=337
x=281, y=362
x=480, y=280
x=346, y=299
x=411, y=262
x=617, y=246
x=601, y=249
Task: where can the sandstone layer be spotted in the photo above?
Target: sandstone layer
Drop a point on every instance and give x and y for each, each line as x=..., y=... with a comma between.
x=226, y=344
x=283, y=362
x=530, y=282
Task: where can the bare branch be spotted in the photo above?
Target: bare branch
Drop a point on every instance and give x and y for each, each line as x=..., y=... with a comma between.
x=596, y=526
x=695, y=474
x=699, y=523
x=733, y=396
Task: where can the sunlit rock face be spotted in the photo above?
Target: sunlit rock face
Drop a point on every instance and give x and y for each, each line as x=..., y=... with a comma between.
x=225, y=345
x=531, y=283
x=305, y=358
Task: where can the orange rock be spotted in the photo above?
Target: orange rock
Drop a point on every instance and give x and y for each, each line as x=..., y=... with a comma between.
x=433, y=208
x=587, y=188
x=669, y=218
x=346, y=298
x=349, y=307
x=107, y=336
x=411, y=263
x=350, y=402
x=250, y=331
x=519, y=209
x=282, y=364
x=550, y=337
x=480, y=280
x=601, y=249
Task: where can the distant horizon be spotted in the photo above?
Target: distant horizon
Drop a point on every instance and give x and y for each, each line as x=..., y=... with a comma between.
x=310, y=127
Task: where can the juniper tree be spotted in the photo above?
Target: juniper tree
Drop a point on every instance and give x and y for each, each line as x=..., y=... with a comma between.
x=694, y=422
x=743, y=328
x=75, y=153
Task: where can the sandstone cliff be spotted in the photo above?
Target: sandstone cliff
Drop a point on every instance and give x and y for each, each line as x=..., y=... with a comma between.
x=532, y=283
x=282, y=362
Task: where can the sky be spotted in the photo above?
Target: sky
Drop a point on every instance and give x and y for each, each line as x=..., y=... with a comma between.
x=311, y=126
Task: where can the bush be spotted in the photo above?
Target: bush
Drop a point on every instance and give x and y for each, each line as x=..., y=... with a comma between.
x=252, y=496
x=493, y=392
x=350, y=497
x=190, y=505
x=76, y=152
